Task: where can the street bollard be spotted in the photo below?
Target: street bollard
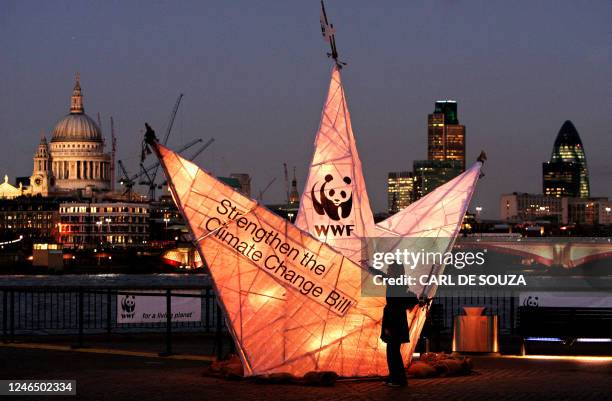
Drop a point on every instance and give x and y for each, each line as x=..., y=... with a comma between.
x=168, y=350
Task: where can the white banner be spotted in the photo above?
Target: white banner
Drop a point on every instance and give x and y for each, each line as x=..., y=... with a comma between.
x=566, y=299
x=136, y=308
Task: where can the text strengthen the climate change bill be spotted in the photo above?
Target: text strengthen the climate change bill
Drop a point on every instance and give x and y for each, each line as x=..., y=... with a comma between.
x=284, y=259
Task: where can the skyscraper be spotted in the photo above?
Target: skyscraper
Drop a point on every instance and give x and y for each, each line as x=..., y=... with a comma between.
x=561, y=179
x=430, y=174
x=566, y=174
x=400, y=187
x=445, y=136
x=445, y=150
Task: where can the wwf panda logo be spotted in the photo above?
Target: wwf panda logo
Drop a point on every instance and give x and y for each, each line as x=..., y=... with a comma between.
x=128, y=303
x=531, y=301
x=335, y=202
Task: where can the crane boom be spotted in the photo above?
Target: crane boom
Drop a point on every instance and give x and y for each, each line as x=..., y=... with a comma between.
x=126, y=181
x=145, y=170
x=172, y=117
x=286, y=181
x=123, y=171
x=263, y=191
x=134, y=177
x=113, y=153
x=153, y=175
x=202, y=149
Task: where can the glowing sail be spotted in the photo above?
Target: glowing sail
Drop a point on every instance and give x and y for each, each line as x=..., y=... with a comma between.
x=335, y=206
x=292, y=303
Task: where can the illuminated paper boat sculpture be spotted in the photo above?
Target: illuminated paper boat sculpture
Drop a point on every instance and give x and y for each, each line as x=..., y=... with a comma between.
x=293, y=303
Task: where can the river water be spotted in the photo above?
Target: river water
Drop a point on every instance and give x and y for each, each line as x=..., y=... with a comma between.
x=107, y=280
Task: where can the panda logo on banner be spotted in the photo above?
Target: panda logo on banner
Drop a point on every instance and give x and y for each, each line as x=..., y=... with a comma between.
x=335, y=201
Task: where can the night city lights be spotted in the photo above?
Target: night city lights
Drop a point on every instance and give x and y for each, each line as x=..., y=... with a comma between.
x=306, y=200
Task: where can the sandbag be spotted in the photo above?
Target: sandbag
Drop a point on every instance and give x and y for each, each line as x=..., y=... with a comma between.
x=449, y=367
x=275, y=378
x=324, y=379
x=421, y=370
x=440, y=364
x=230, y=368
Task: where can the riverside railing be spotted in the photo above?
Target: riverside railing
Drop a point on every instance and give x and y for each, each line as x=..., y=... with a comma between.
x=29, y=311
x=51, y=310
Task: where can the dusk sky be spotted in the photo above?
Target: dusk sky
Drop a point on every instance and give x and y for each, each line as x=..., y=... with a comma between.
x=255, y=75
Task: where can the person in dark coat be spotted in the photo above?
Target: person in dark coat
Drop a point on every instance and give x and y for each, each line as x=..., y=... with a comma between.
x=395, y=330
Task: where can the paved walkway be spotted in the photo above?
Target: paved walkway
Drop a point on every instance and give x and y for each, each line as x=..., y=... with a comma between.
x=103, y=376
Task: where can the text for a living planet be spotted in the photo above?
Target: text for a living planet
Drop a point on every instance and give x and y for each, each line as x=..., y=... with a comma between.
x=278, y=263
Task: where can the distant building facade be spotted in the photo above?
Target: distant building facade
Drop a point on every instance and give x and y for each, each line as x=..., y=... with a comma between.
x=589, y=211
x=430, y=174
x=521, y=207
x=529, y=207
x=166, y=221
x=232, y=182
x=87, y=225
x=244, y=180
x=8, y=191
x=36, y=218
x=566, y=173
x=400, y=189
x=445, y=136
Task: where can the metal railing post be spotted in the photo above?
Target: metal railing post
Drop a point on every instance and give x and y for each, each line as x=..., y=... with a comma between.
x=108, y=313
x=4, y=317
x=168, y=351
x=219, y=334
x=81, y=314
x=12, y=316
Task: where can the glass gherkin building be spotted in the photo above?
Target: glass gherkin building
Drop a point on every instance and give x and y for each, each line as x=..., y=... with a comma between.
x=566, y=174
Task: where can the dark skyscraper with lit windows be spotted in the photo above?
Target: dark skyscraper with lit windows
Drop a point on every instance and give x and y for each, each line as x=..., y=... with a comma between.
x=566, y=174
x=400, y=190
x=445, y=136
x=445, y=150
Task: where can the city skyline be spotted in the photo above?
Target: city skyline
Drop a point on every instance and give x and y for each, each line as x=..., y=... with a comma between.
x=275, y=86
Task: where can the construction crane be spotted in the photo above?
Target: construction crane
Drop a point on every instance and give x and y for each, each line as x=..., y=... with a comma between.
x=151, y=177
x=286, y=181
x=113, y=153
x=128, y=181
x=148, y=171
x=196, y=154
x=202, y=149
x=263, y=191
x=172, y=117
